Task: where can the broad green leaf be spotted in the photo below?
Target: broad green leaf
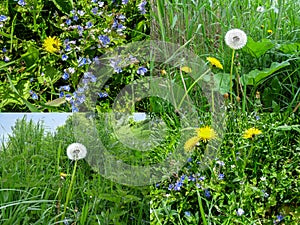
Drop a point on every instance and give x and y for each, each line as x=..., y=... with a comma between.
x=291, y=48
x=31, y=107
x=64, y=6
x=256, y=76
x=257, y=49
x=31, y=56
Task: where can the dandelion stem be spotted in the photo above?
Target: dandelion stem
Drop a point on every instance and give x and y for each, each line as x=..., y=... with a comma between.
x=69, y=190
x=231, y=72
x=201, y=209
x=190, y=88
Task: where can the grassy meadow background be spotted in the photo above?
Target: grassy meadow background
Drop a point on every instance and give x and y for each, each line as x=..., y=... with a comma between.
x=46, y=51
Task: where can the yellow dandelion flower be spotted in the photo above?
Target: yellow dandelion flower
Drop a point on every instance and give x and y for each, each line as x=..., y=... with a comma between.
x=215, y=62
x=270, y=31
x=206, y=133
x=163, y=72
x=191, y=143
x=63, y=175
x=250, y=133
x=186, y=69
x=52, y=44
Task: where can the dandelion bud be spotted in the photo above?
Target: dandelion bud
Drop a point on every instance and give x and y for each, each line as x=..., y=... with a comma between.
x=257, y=95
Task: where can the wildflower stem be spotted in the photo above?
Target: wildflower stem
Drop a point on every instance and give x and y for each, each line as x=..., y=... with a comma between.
x=201, y=209
x=248, y=156
x=231, y=72
x=69, y=190
x=190, y=88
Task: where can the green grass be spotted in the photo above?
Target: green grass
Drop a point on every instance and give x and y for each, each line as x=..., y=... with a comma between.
x=34, y=192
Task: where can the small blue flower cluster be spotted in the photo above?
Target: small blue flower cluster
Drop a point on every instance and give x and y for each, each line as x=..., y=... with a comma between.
x=142, y=7
x=191, y=178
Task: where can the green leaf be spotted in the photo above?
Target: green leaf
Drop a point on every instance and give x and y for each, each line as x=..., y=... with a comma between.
x=257, y=49
x=291, y=48
x=64, y=6
x=267, y=97
x=256, y=76
x=31, y=56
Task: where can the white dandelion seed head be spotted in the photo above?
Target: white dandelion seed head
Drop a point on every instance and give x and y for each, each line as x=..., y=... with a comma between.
x=76, y=151
x=240, y=211
x=260, y=9
x=236, y=38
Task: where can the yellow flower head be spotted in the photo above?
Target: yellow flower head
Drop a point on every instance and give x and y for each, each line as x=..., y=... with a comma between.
x=191, y=143
x=52, y=44
x=270, y=31
x=215, y=62
x=186, y=69
x=250, y=133
x=205, y=133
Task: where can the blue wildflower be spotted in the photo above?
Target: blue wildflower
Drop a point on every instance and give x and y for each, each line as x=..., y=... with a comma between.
x=31, y=79
x=68, y=97
x=80, y=29
x=189, y=159
x=240, y=211
x=187, y=213
x=64, y=57
x=207, y=193
x=93, y=78
x=121, y=17
x=101, y=4
x=71, y=70
x=103, y=94
x=81, y=98
x=95, y=10
x=6, y=59
x=202, y=178
x=75, y=18
x=33, y=95
x=68, y=48
x=21, y=2
x=81, y=61
x=65, y=88
x=182, y=178
x=65, y=76
x=192, y=178
x=61, y=94
x=74, y=109
x=221, y=176
x=142, y=70
x=115, y=64
x=80, y=12
x=104, y=40
x=279, y=218
x=68, y=22
x=178, y=186
x=89, y=24
x=124, y=2
x=3, y=18
x=171, y=186
x=142, y=7
x=4, y=50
